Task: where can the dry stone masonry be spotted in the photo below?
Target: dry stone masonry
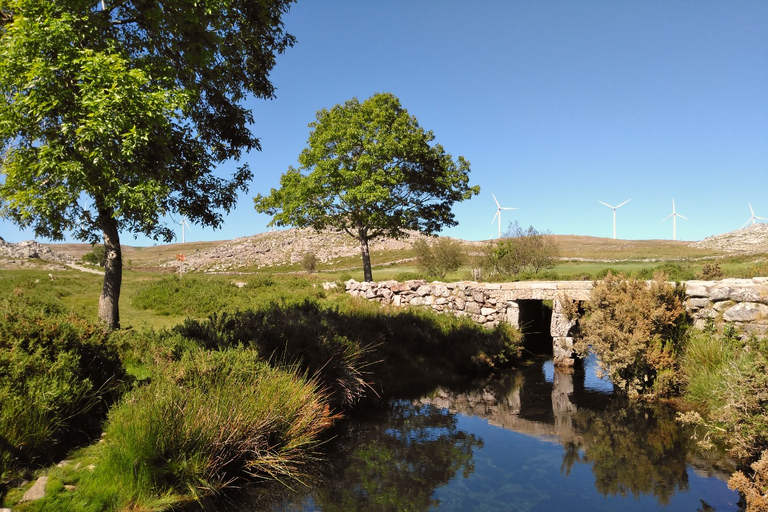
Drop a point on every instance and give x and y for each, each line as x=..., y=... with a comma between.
x=739, y=302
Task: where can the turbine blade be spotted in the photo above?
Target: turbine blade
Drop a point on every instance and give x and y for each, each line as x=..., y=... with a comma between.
x=497, y=201
x=606, y=204
x=498, y=213
x=745, y=224
x=625, y=202
x=761, y=218
x=668, y=216
x=506, y=208
x=751, y=210
x=682, y=216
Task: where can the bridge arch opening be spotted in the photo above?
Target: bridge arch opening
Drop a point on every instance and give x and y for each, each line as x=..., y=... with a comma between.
x=535, y=317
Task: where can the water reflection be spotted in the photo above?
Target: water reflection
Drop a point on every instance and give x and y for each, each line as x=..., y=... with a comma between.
x=527, y=440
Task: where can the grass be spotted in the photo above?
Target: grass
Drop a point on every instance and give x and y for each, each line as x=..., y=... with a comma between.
x=243, y=388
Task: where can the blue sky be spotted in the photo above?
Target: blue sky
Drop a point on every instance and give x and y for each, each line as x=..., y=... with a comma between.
x=556, y=104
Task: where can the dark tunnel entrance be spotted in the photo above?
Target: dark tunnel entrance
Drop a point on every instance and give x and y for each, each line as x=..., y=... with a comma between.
x=534, y=320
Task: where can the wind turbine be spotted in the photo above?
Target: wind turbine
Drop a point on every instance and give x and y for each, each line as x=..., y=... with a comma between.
x=754, y=217
x=498, y=212
x=614, y=214
x=183, y=222
x=674, y=216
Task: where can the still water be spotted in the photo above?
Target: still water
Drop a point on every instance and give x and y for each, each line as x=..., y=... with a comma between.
x=529, y=440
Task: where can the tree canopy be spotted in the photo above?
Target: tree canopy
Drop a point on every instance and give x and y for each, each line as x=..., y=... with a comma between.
x=370, y=170
x=114, y=114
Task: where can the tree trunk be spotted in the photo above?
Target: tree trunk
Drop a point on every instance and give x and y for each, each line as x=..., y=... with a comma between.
x=109, y=310
x=367, y=274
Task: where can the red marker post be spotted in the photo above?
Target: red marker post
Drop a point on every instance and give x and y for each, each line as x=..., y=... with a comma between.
x=180, y=258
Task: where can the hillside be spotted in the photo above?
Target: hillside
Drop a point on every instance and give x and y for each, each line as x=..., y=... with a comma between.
x=286, y=248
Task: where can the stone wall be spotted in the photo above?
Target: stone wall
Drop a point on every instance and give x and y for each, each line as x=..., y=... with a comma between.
x=742, y=303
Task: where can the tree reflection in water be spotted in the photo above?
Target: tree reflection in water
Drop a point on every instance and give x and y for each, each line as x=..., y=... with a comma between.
x=395, y=464
x=633, y=450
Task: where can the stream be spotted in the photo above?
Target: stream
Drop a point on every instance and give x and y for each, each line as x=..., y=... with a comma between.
x=532, y=439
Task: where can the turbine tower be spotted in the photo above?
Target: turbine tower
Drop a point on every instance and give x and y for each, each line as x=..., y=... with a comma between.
x=614, y=213
x=753, y=218
x=498, y=212
x=183, y=222
x=674, y=216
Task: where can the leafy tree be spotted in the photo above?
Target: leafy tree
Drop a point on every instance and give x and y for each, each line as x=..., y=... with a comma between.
x=518, y=251
x=439, y=258
x=115, y=113
x=371, y=172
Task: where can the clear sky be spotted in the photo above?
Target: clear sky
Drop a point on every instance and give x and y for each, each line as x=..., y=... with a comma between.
x=556, y=104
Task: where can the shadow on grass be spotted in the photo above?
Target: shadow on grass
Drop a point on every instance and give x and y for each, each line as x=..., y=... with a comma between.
x=362, y=353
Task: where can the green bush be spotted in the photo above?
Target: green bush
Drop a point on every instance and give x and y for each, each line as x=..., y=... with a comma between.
x=439, y=258
x=520, y=250
x=637, y=331
x=309, y=262
x=96, y=257
x=58, y=375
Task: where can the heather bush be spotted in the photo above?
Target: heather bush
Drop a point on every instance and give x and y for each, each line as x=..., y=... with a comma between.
x=636, y=329
x=58, y=375
x=753, y=487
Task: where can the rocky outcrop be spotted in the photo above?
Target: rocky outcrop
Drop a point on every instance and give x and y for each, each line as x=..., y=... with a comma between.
x=751, y=239
x=277, y=248
x=32, y=250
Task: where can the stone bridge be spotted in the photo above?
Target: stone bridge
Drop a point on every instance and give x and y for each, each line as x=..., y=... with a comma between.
x=536, y=306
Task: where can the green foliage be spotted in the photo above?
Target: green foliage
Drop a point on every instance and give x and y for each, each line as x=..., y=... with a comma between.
x=371, y=171
x=636, y=329
x=672, y=271
x=199, y=296
x=309, y=262
x=96, y=257
x=205, y=421
x=732, y=390
x=398, y=351
x=518, y=251
x=112, y=116
x=439, y=258
x=58, y=375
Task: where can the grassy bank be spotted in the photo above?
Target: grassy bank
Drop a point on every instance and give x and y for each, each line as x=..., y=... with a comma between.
x=243, y=388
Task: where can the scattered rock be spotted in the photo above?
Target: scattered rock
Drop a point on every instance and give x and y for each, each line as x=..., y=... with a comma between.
x=285, y=247
x=37, y=491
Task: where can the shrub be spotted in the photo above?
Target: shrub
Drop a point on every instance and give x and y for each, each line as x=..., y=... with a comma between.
x=754, y=488
x=518, y=251
x=58, y=375
x=711, y=272
x=636, y=330
x=96, y=257
x=309, y=262
x=439, y=258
